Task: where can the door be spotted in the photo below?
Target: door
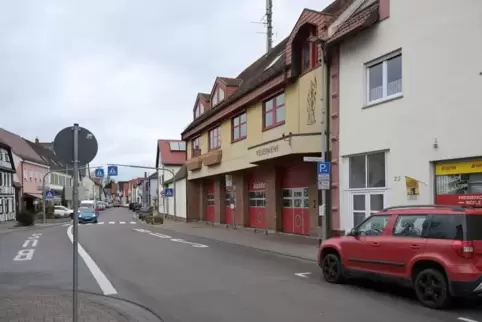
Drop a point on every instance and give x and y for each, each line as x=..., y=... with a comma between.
x=361, y=252
x=210, y=204
x=230, y=200
x=296, y=216
x=366, y=203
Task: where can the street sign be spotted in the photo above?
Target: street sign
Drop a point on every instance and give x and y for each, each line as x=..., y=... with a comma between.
x=99, y=173
x=324, y=181
x=324, y=167
x=49, y=194
x=168, y=192
x=312, y=159
x=112, y=171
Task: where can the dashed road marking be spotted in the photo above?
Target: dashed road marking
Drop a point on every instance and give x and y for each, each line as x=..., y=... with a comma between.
x=466, y=319
x=111, y=222
x=104, y=284
x=122, y=222
x=100, y=223
x=132, y=222
x=177, y=240
x=304, y=275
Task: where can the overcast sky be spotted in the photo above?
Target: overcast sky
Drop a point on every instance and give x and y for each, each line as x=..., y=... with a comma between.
x=128, y=70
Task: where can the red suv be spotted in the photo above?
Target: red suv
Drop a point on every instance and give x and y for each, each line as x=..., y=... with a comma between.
x=436, y=250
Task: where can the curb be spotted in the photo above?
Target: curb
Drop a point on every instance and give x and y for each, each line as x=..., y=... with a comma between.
x=29, y=228
x=237, y=244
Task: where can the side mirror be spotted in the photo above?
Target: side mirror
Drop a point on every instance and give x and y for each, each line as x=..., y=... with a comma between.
x=352, y=232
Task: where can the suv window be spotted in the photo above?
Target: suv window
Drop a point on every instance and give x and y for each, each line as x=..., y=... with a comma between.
x=446, y=227
x=410, y=226
x=373, y=226
x=474, y=227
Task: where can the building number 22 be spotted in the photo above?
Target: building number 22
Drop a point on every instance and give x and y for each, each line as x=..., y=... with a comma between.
x=397, y=178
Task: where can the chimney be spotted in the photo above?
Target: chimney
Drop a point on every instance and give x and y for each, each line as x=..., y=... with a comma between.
x=384, y=9
x=36, y=140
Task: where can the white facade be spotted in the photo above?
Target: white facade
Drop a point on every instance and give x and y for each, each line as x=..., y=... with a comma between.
x=88, y=189
x=167, y=176
x=180, y=191
x=435, y=117
x=154, y=192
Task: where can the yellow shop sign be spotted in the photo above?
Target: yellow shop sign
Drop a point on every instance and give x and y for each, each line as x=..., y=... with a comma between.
x=458, y=168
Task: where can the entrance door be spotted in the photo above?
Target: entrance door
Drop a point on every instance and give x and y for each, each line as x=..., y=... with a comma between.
x=257, y=209
x=364, y=204
x=210, y=202
x=296, y=215
x=230, y=199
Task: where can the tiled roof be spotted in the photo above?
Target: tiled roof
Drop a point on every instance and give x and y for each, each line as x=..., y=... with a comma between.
x=204, y=96
x=360, y=20
x=231, y=81
x=20, y=147
x=252, y=77
x=47, y=155
x=168, y=156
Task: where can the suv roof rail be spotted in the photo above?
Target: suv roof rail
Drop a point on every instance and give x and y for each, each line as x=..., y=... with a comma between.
x=454, y=208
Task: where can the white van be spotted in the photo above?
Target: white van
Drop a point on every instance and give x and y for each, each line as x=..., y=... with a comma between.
x=87, y=204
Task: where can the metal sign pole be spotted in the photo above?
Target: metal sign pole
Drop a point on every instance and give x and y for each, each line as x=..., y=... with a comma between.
x=75, y=283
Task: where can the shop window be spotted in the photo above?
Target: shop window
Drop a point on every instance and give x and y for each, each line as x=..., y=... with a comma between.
x=196, y=147
x=274, y=111
x=215, y=138
x=384, y=78
x=239, y=127
x=367, y=171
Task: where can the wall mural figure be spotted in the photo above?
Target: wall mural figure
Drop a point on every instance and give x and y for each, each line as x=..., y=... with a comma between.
x=311, y=100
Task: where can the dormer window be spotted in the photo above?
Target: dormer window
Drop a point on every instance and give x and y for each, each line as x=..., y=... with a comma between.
x=309, y=52
x=218, y=96
x=199, y=110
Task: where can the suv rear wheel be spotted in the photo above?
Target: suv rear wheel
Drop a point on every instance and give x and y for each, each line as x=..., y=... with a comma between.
x=331, y=268
x=431, y=289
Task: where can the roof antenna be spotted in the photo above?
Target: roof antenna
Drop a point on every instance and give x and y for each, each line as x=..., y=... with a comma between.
x=267, y=20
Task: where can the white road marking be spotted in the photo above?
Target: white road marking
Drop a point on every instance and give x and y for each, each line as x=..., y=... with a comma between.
x=132, y=222
x=89, y=224
x=100, y=223
x=122, y=222
x=177, y=240
x=65, y=225
x=104, y=284
x=466, y=320
x=111, y=222
x=27, y=254
x=24, y=255
x=304, y=275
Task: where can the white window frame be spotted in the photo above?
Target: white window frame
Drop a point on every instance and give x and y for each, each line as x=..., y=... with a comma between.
x=366, y=188
x=372, y=63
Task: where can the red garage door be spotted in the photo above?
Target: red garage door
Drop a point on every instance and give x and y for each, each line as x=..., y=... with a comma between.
x=210, y=202
x=296, y=213
x=257, y=204
x=230, y=198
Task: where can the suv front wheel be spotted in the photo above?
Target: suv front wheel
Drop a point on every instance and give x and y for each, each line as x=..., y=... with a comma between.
x=431, y=289
x=331, y=268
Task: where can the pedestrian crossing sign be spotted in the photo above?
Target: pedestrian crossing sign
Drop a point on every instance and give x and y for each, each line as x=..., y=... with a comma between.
x=168, y=192
x=49, y=194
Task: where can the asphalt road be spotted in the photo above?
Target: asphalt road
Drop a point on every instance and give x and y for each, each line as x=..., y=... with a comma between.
x=187, y=278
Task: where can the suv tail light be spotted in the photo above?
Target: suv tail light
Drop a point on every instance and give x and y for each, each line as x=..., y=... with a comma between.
x=464, y=248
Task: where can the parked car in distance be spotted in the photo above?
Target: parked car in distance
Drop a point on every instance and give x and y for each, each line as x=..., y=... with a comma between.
x=87, y=215
x=63, y=211
x=434, y=249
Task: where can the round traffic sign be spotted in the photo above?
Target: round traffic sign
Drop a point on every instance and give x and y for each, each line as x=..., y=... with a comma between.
x=64, y=143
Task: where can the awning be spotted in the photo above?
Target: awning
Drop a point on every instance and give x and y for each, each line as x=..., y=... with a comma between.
x=32, y=195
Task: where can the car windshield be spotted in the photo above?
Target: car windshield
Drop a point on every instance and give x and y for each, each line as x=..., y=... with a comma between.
x=85, y=210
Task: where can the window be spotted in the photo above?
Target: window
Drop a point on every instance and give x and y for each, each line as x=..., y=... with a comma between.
x=384, y=78
x=196, y=147
x=411, y=226
x=218, y=96
x=215, y=138
x=367, y=171
x=373, y=226
x=309, y=52
x=239, y=127
x=274, y=111
x=199, y=110
x=257, y=199
x=446, y=227
x=1, y=179
x=177, y=146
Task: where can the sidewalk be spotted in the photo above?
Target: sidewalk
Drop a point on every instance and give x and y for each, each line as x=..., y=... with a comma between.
x=47, y=305
x=290, y=245
x=11, y=226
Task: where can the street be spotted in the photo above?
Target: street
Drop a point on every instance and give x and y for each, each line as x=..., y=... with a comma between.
x=187, y=278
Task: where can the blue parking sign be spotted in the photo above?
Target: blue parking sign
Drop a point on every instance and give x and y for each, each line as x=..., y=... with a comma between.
x=324, y=167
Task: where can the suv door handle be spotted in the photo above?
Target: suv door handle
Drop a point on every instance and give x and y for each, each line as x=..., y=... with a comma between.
x=415, y=247
x=375, y=244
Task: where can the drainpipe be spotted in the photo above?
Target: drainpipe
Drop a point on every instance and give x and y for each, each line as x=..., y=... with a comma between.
x=328, y=212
